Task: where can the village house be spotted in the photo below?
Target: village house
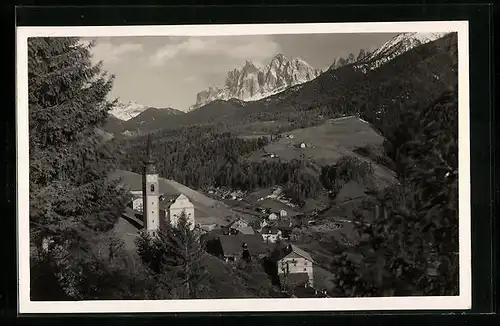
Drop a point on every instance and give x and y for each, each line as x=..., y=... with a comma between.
x=272, y=217
x=296, y=266
x=231, y=248
x=271, y=234
x=285, y=227
x=239, y=226
x=208, y=225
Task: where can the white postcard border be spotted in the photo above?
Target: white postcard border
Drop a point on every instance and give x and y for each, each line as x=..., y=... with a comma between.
x=25, y=305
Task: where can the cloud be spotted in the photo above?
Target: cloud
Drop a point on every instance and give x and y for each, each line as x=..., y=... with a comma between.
x=112, y=53
x=255, y=48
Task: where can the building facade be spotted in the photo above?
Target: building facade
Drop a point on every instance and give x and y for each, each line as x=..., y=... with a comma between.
x=180, y=205
x=296, y=261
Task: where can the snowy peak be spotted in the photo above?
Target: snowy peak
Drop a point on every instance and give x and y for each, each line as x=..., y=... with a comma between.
x=127, y=111
x=395, y=47
x=131, y=109
x=252, y=82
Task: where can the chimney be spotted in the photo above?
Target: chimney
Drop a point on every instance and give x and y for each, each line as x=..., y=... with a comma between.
x=377, y=211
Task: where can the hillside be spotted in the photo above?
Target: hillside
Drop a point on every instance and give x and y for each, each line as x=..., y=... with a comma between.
x=327, y=143
x=150, y=119
x=415, y=76
x=206, y=209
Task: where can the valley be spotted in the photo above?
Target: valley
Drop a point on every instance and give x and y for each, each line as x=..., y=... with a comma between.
x=340, y=122
x=350, y=171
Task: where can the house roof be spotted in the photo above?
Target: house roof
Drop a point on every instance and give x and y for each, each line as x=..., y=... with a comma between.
x=236, y=220
x=297, y=251
x=233, y=244
x=246, y=230
x=269, y=229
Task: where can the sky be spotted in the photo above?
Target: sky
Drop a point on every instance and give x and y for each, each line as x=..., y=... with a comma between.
x=162, y=71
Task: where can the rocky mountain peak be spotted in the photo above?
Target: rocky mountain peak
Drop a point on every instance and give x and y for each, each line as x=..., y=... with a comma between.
x=394, y=47
x=252, y=82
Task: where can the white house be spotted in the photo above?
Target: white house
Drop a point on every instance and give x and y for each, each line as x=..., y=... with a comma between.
x=271, y=234
x=296, y=261
x=272, y=217
x=180, y=204
x=283, y=213
x=137, y=200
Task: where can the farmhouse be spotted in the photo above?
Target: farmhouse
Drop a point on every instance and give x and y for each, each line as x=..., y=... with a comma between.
x=272, y=217
x=285, y=227
x=239, y=226
x=295, y=261
x=271, y=234
x=234, y=247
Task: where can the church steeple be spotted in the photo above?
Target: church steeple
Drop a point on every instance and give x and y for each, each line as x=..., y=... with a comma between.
x=149, y=163
x=150, y=191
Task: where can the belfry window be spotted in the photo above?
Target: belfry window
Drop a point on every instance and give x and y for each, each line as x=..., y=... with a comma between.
x=152, y=187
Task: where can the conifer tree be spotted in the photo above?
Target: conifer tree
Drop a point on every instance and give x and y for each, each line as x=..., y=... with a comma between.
x=175, y=252
x=70, y=199
x=413, y=250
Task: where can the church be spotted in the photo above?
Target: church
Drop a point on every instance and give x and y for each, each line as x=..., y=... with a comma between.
x=154, y=201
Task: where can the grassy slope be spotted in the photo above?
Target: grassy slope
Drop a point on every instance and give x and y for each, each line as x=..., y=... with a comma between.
x=330, y=141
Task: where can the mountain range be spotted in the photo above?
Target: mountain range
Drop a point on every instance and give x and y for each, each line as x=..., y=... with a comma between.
x=327, y=91
x=394, y=47
x=253, y=82
x=131, y=109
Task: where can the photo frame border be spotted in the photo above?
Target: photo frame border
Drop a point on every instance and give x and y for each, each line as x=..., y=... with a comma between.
x=294, y=299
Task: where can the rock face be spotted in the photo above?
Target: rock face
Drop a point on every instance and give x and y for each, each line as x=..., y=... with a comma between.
x=395, y=47
x=252, y=82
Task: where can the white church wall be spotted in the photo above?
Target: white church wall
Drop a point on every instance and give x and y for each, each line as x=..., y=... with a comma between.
x=152, y=205
x=181, y=204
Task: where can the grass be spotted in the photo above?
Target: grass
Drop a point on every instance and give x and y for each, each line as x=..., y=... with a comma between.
x=327, y=143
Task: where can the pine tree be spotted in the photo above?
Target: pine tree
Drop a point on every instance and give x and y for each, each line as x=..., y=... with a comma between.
x=413, y=250
x=70, y=199
x=175, y=253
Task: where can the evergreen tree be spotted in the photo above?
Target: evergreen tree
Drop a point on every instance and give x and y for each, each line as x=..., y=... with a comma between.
x=70, y=199
x=175, y=253
x=413, y=250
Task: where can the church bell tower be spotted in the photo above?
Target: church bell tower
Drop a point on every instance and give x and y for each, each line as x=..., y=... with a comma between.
x=150, y=192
